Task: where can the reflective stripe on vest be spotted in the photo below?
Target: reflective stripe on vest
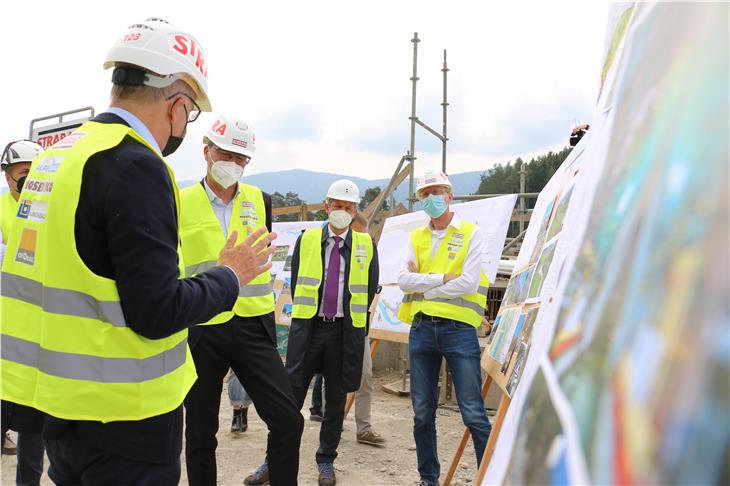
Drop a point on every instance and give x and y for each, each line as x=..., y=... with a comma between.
x=67, y=349
x=448, y=258
x=203, y=239
x=309, y=278
x=8, y=213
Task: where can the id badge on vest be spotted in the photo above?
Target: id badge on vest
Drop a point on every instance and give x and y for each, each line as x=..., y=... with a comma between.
x=249, y=218
x=455, y=244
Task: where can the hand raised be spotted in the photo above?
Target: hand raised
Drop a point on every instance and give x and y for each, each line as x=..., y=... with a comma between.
x=412, y=267
x=249, y=258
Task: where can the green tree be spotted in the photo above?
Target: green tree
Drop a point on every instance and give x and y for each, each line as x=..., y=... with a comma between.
x=370, y=194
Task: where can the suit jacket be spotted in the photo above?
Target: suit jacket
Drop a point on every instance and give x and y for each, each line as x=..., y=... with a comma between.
x=126, y=229
x=353, y=338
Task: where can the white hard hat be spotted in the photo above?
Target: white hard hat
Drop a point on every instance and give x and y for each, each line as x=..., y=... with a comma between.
x=432, y=177
x=344, y=190
x=166, y=53
x=19, y=151
x=232, y=134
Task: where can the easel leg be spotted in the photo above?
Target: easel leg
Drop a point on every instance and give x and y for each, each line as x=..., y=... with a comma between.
x=464, y=438
x=351, y=397
x=499, y=419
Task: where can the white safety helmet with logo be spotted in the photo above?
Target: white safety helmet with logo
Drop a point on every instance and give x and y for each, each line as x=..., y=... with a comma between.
x=19, y=151
x=165, y=54
x=233, y=135
x=432, y=177
x=344, y=190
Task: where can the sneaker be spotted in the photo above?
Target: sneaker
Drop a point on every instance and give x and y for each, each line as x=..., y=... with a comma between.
x=259, y=477
x=371, y=438
x=9, y=448
x=240, y=420
x=327, y=474
x=426, y=482
x=316, y=417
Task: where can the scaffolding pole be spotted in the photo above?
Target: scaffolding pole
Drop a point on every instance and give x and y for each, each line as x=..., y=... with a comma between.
x=444, y=104
x=412, y=151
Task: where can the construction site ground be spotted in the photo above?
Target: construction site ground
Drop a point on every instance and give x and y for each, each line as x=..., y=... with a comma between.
x=357, y=464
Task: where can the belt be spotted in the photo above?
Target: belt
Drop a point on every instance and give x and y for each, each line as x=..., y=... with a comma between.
x=425, y=317
x=328, y=323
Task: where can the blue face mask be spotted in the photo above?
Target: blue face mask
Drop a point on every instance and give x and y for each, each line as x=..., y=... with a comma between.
x=435, y=206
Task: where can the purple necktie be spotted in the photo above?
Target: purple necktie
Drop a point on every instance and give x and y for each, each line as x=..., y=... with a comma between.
x=332, y=284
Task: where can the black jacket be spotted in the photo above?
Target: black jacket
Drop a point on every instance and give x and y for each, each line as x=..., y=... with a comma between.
x=353, y=338
x=126, y=229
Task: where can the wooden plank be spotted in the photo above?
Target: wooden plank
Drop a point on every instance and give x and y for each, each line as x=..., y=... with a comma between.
x=297, y=209
x=390, y=336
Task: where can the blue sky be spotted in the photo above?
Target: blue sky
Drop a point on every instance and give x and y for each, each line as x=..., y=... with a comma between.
x=325, y=85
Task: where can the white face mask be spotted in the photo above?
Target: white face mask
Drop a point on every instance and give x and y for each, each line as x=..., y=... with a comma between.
x=226, y=173
x=340, y=219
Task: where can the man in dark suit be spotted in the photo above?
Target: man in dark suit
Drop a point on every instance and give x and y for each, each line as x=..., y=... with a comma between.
x=102, y=344
x=334, y=279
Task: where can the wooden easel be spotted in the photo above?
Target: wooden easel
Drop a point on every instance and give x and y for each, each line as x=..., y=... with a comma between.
x=494, y=375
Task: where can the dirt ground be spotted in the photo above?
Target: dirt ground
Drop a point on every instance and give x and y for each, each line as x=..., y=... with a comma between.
x=357, y=464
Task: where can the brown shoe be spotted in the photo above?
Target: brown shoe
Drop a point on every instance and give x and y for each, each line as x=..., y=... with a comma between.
x=371, y=438
x=259, y=477
x=9, y=448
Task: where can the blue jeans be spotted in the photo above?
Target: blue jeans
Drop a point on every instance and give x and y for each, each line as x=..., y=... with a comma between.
x=237, y=394
x=457, y=342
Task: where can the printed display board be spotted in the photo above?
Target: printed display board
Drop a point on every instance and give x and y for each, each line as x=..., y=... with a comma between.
x=625, y=376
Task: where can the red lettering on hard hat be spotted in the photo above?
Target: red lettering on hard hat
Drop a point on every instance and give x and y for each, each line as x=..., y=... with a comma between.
x=192, y=47
x=219, y=128
x=180, y=44
x=200, y=63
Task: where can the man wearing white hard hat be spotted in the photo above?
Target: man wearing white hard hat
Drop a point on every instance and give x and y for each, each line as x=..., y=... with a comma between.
x=445, y=297
x=334, y=277
x=28, y=422
x=94, y=310
x=244, y=338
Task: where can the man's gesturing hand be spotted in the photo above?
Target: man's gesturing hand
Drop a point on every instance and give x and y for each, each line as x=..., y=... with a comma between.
x=248, y=260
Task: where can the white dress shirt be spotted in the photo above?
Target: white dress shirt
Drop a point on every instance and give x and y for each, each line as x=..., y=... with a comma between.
x=222, y=210
x=327, y=253
x=432, y=284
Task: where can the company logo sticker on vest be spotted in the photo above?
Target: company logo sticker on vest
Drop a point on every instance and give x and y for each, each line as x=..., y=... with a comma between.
x=33, y=210
x=26, y=248
x=48, y=164
x=38, y=186
x=69, y=141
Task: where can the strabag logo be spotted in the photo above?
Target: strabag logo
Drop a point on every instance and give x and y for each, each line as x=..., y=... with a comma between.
x=26, y=248
x=33, y=210
x=38, y=186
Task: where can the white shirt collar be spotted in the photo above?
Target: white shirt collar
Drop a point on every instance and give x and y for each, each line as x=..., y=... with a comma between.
x=212, y=197
x=136, y=125
x=455, y=222
x=331, y=234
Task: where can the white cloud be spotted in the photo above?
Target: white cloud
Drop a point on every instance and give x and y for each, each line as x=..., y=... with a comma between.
x=325, y=84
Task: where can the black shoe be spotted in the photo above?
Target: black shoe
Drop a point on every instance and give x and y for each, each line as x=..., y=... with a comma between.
x=316, y=417
x=244, y=420
x=239, y=424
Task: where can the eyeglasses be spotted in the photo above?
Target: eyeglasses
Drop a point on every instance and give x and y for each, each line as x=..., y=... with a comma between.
x=192, y=114
x=436, y=191
x=232, y=156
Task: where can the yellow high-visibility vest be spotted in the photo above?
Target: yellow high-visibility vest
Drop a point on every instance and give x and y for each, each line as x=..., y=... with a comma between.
x=9, y=210
x=449, y=258
x=66, y=347
x=203, y=239
x=309, y=278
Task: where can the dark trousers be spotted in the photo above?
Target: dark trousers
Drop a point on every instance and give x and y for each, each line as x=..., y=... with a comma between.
x=30, y=459
x=316, y=408
x=244, y=345
x=324, y=355
x=75, y=462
